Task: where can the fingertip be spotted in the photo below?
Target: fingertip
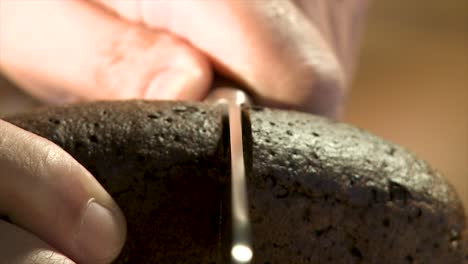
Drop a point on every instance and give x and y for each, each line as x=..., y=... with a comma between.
x=67, y=207
x=101, y=234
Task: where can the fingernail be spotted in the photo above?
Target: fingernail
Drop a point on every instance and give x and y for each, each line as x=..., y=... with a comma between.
x=175, y=84
x=101, y=234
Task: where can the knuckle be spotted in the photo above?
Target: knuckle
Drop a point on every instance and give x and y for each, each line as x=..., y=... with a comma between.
x=41, y=164
x=119, y=72
x=134, y=55
x=128, y=62
x=44, y=158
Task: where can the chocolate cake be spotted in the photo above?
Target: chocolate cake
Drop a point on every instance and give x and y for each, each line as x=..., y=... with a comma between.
x=319, y=191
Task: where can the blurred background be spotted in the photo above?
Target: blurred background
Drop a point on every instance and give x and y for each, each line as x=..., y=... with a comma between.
x=411, y=86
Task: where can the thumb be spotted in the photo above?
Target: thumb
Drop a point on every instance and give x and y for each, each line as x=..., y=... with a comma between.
x=46, y=192
x=82, y=52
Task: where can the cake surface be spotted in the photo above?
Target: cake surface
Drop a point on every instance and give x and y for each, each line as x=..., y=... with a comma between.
x=319, y=191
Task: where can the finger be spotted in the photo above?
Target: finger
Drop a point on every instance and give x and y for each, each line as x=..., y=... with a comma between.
x=17, y=246
x=82, y=52
x=341, y=24
x=268, y=45
x=45, y=191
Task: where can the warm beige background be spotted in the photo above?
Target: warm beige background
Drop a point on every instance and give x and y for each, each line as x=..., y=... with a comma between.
x=412, y=82
x=411, y=86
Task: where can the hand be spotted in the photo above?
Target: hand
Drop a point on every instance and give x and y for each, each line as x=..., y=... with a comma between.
x=292, y=54
x=288, y=53
x=61, y=213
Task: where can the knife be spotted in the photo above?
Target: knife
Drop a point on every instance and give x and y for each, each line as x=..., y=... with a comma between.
x=234, y=98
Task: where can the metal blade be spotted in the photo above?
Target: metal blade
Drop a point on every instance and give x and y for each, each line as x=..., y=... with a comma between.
x=241, y=250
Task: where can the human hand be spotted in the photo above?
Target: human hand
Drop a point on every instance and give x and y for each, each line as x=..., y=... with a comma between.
x=288, y=54
x=292, y=54
x=57, y=206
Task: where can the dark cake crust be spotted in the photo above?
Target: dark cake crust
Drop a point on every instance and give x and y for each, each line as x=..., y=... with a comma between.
x=341, y=195
x=320, y=191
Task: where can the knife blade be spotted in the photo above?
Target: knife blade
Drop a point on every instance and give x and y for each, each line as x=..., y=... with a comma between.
x=234, y=98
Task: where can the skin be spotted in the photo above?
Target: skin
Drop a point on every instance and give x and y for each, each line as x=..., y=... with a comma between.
x=289, y=54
